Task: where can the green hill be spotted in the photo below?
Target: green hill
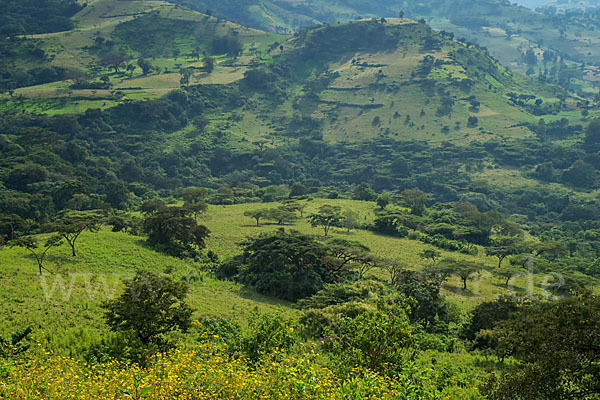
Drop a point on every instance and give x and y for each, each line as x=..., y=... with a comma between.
x=507, y=29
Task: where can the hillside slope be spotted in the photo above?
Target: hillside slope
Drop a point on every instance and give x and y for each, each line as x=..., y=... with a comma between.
x=399, y=79
x=507, y=29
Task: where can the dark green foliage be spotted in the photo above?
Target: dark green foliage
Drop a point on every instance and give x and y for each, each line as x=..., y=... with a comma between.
x=11, y=226
x=390, y=224
x=472, y=122
x=209, y=64
x=217, y=329
x=114, y=60
x=118, y=223
x=334, y=294
x=24, y=175
x=429, y=306
x=415, y=199
x=267, y=336
x=286, y=265
x=383, y=200
x=364, y=192
x=36, y=16
x=144, y=65
x=151, y=306
x=378, y=340
x=484, y=316
x=557, y=346
x=327, y=217
x=175, y=231
x=592, y=136
x=229, y=45
x=122, y=346
x=581, y=174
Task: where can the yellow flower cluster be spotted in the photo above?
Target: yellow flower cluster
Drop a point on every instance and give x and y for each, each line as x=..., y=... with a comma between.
x=204, y=373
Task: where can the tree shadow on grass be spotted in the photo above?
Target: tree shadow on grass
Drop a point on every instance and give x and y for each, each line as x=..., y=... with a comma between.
x=249, y=294
x=460, y=291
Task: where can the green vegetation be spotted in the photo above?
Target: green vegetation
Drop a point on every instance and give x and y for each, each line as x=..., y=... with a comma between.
x=368, y=209
x=35, y=16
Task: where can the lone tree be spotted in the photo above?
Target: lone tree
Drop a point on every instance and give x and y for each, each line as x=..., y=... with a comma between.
x=194, y=200
x=256, y=214
x=144, y=65
x=209, y=64
x=327, y=217
x=350, y=220
x=502, y=248
x=364, y=192
x=508, y=272
x=282, y=214
x=346, y=254
x=285, y=265
x=430, y=254
x=173, y=227
x=461, y=268
x=32, y=244
x=150, y=307
x=114, y=60
x=73, y=223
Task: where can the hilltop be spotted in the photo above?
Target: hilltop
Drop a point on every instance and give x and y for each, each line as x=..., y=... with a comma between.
x=507, y=29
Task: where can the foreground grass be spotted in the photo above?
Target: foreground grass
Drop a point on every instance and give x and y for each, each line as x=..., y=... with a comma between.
x=66, y=305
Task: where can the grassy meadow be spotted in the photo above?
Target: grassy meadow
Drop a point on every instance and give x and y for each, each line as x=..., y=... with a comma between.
x=66, y=304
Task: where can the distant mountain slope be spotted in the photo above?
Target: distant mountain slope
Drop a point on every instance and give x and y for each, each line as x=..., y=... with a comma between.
x=508, y=30
x=395, y=78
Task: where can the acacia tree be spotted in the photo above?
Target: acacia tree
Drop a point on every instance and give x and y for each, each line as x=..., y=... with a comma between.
x=194, y=200
x=114, y=60
x=430, y=254
x=346, y=254
x=150, y=307
x=502, y=248
x=508, y=271
x=256, y=214
x=461, y=268
x=32, y=244
x=173, y=227
x=285, y=265
x=350, y=220
x=73, y=223
x=327, y=217
x=282, y=214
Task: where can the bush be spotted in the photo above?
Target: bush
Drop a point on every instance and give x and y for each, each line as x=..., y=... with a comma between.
x=377, y=340
x=268, y=336
x=290, y=266
x=121, y=346
x=218, y=329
